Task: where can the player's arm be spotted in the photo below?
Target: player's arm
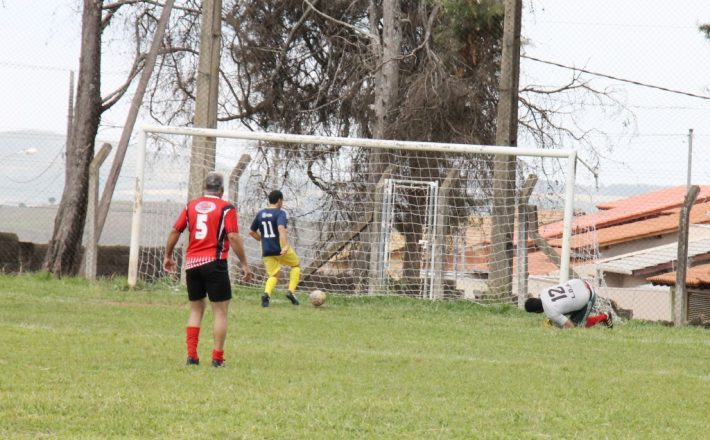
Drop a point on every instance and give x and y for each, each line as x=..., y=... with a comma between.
x=283, y=237
x=560, y=320
x=173, y=237
x=168, y=262
x=254, y=229
x=235, y=241
x=282, y=223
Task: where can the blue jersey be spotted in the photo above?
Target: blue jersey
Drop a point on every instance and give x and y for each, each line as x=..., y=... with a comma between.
x=267, y=222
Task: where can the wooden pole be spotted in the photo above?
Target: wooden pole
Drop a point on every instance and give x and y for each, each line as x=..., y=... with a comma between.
x=234, y=198
x=542, y=244
x=92, y=241
x=377, y=282
x=523, y=199
x=112, y=178
x=202, y=159
x=500, y=276
x=442, y=229
x=680, y=302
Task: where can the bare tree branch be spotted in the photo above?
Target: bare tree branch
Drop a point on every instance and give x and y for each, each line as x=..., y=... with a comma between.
x=118, y=4
x=112, y=98
x=342, y=23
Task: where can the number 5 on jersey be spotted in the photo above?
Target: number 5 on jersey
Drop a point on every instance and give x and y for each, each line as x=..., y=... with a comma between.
x=201, y=227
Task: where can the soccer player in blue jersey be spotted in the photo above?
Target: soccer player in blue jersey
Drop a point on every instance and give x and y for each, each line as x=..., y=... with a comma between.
x=270, y=228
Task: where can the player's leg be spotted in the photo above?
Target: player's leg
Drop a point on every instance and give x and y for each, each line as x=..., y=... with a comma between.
x=272, y=267
x=602, y=312
x=220, y=310
x=596, y=319
x=196, y=293
x=579, y=317
x=291, y=259
x=220, y=294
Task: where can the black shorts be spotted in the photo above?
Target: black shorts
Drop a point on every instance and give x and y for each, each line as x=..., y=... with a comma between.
x=209, y=279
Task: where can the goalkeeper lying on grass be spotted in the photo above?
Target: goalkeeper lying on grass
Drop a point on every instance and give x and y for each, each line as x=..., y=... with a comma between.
x=575, y=298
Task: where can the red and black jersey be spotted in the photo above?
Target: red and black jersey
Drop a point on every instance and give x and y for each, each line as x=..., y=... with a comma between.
x=209, y=219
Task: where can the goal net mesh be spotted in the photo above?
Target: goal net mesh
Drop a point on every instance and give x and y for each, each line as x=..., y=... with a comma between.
x=369, y=220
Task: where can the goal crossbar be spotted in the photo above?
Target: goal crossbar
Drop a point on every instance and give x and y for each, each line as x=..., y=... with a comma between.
x=144, y=130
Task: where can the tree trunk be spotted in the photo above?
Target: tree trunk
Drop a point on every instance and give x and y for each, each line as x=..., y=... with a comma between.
x=387, y=76
x=501, y=265
x=412, y=259
x=64, y=248
x=386, y=51
x=204, y=149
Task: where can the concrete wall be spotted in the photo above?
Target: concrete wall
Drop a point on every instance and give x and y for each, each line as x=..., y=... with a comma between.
x=697, y=232
x=648, y=303
x=20, y=256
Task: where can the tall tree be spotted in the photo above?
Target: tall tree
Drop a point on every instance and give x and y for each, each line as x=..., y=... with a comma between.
x=501, y=264
x=424, y=70
x=69, y=222
x=63, y=252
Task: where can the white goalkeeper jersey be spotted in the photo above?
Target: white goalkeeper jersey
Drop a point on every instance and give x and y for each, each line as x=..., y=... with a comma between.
x=557, y=301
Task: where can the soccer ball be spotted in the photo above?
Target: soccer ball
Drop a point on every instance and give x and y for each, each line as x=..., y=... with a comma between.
x=317, y=298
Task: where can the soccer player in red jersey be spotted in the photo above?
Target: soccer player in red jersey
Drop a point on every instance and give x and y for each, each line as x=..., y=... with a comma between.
x=212, y=224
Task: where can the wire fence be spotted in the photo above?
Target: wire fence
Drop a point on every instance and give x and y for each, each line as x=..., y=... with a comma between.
x=646, y=144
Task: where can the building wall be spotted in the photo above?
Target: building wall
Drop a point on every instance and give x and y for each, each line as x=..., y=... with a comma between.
x=648, y=303
x=637, y=245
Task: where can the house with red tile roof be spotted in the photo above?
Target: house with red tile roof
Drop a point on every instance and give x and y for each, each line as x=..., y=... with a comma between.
x=637, y=235
x=695, y=277
x=627, y=210
x=697, y=287
x=620, y=227
x=629, y=225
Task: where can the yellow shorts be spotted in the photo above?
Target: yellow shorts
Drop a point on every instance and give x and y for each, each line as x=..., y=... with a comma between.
x=273, y=264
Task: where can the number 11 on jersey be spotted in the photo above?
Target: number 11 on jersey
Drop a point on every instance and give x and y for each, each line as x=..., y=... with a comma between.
x=268, y=230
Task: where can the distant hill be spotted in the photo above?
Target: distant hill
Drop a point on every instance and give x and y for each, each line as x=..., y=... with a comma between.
x=32, y=168
x=621, y=190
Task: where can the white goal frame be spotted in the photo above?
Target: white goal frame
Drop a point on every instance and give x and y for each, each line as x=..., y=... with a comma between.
x=145, y=130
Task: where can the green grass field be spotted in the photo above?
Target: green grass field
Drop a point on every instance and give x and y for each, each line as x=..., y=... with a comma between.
x=96, y=361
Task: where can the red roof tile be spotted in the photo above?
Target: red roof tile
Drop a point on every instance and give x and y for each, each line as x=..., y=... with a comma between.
x=666, y=222
x=695, y=277
x=538, y=263
x=628, y=209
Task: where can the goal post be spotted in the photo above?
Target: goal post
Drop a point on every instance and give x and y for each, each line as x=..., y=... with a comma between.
x=342, y=181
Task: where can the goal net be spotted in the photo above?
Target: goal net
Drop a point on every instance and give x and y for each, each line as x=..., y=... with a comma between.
x=369, y=216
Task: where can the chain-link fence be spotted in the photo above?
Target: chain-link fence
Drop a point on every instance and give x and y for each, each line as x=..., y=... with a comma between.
x=641, y=87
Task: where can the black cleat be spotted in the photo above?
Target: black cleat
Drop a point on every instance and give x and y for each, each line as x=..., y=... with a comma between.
x=291, y=297
x=217, y=363
x=264, y=300
x=192, y=361
x=609, y=320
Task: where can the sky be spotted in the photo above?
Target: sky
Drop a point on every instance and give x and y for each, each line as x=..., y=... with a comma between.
x=655, y=42
x=652, y=41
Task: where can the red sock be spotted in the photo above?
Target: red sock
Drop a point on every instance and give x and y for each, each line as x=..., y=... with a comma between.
x=193, y=337
x=217, y=355
x=594, y=320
